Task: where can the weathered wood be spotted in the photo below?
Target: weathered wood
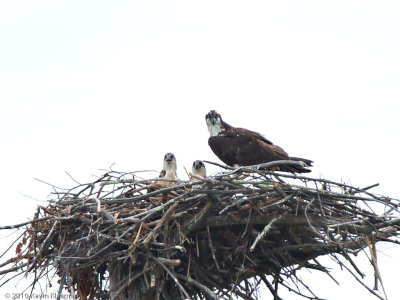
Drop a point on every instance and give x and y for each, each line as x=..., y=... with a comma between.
x=222, y=235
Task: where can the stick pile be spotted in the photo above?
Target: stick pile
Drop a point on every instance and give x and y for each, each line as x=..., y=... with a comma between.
x=123, y=237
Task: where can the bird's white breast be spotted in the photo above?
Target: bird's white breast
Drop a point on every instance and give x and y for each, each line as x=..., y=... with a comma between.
x=215, y=129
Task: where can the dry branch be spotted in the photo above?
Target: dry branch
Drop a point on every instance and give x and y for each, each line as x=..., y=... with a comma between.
x=120, y=237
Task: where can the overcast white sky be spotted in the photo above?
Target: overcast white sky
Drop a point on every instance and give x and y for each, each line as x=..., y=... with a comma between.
x=85, y=84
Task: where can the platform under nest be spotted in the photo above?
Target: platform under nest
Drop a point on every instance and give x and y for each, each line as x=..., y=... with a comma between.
x=125, y=237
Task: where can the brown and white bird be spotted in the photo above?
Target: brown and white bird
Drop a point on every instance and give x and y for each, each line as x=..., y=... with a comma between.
x=198, y=171
x=243, y=147
x=169, y=170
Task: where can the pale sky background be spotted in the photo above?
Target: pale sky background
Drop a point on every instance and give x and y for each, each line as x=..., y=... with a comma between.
x=85, y=84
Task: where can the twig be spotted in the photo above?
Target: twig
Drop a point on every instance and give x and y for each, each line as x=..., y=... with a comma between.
x=264, y=232
x=162, y=220
x=25, y=223
x=170, y=274
x=212, y=248
x=270, y=287
x=374, y=262
x=197, y=284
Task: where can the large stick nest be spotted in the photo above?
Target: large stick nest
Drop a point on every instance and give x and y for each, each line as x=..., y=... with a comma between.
x=125, y=237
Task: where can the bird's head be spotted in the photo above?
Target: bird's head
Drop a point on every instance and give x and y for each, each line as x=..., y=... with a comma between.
x=214, y=123
x=199, y=169
x=169, y=160
x=198, y=164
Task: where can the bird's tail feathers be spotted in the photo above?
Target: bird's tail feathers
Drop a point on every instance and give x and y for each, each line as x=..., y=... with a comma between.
x=306, y=161
x=298, y=169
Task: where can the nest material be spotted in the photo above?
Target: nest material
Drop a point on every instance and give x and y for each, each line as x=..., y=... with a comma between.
x=122, y=237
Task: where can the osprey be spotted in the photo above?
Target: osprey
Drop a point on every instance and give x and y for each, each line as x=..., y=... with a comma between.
x=169, y=170
x=242, y=147
x=198, y=171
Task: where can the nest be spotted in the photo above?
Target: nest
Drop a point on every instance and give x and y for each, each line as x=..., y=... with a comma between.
x=125, y=237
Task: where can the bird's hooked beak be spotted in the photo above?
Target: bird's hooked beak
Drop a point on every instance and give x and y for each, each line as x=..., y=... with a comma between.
x=213, y=121
x=169, y=157
x=213, y=117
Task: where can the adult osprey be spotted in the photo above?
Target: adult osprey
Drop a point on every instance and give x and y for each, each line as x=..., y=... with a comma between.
x=239, y=146
x=198, y=171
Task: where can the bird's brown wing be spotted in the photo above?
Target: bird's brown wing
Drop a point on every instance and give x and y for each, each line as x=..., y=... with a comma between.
x=162, y=174
x=244, y=147
x=225, y=148
x=265, y=144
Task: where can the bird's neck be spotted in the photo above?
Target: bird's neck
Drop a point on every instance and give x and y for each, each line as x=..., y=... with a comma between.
x=214, y=130
x=199, y=173
x=170, y=171
x=218, y=129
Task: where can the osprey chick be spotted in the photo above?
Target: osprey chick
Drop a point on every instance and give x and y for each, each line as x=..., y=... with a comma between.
x=198, y=171
x=243, y=147
x=169, y=170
